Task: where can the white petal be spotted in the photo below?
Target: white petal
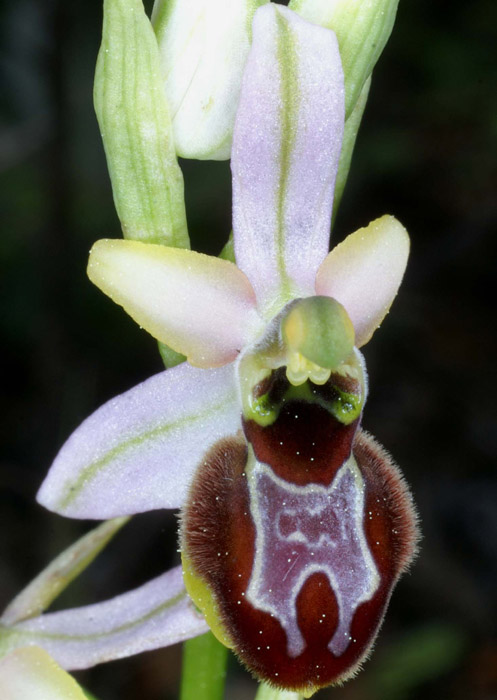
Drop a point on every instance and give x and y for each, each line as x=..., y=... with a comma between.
x=364, y=273
x=199, y=305
x=155, y=615
x=139, y=451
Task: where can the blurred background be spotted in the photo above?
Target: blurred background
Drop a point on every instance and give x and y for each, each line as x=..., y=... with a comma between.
x=427, y=154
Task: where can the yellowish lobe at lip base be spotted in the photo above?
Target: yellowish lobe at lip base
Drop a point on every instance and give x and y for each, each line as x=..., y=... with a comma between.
x=203, y=598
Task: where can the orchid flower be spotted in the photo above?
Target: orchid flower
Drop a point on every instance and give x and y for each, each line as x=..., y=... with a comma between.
x=296, y=524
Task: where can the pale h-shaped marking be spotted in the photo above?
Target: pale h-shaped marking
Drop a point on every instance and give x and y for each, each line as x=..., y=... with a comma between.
x=301, y=530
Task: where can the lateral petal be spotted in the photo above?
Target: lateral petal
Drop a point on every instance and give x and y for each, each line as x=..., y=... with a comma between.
x=139, y=451
x=199, y=305
x=157, y=614
x=286, y=146
x=364, y=273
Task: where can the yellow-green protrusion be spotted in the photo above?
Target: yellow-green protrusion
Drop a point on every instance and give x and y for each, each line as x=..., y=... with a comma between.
x=203, y=598
x=319, y=336
x=268, y=692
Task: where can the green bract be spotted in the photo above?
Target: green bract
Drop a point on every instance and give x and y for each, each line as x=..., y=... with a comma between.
x=49, y=584
x=362, y=28
x=136, y=128
x=350, y=131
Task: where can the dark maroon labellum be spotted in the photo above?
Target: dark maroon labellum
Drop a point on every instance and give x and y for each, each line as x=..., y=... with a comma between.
x=300, y=535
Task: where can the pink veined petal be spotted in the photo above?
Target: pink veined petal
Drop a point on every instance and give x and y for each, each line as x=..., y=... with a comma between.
x=157, y=614
x=286, y=146
x=364, y=273
x=30, y=673
x=139, y=451
x=199, y=305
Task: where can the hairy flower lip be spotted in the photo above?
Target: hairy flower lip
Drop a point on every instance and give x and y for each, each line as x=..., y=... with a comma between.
x=141, y=449
x=220, y=508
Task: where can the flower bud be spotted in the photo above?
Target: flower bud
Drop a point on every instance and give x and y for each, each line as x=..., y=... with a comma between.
x=203, y=47
x=134, y=121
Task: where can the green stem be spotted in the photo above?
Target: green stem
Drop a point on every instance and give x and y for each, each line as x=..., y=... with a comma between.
x=352, y=125
x=265, y=692
x=204, y=668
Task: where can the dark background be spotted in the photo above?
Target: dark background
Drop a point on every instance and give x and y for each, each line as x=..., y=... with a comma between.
x=426, y=153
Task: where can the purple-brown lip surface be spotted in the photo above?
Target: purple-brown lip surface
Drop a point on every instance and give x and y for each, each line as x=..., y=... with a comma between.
x=285, y=640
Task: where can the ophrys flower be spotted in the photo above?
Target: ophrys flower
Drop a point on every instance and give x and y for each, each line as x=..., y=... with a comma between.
x=296, y=525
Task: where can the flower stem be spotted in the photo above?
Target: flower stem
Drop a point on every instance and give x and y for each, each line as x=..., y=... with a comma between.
x=265, y=692
x=204, y=668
